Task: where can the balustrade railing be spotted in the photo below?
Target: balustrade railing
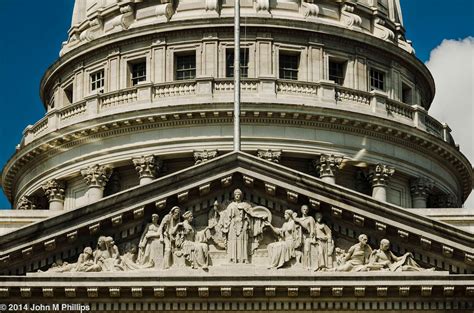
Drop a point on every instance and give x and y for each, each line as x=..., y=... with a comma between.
x=160, y=94
x=433, y=126
x=39, y=127
x=344, y=94
x=184, y=88
x=246, y=85
x=118, y=98
x=401, y=109
x=73, y=111
x=297, y=88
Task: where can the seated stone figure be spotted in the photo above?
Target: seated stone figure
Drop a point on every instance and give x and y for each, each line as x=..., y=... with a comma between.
x=187, y=245
x=384, y=259
x=290, y=238
x=357, y=257
x=85, y=262
x=106, y=254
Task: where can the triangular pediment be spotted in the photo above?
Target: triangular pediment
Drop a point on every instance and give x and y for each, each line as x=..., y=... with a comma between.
x=265, y=184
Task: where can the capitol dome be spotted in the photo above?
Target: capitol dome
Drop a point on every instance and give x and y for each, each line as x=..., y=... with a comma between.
x=333, y=79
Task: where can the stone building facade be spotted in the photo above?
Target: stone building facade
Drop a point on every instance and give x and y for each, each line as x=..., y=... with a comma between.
x=140, y=203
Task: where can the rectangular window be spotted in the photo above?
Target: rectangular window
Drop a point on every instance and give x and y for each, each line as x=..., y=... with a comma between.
x=289, y=64
x=138, y=72
x=406, y=94
x=68, y=94
x=244, y=63
x=97, y=80
x=186, y=66
x=377, y=80
x=337, y=71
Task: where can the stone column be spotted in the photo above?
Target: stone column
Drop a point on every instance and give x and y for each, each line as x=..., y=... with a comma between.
x=55, y=192
x=327, y=166
x=96, y=177
x=379, y=176
x=147, y=168
x=270, y=155
x=420, y=189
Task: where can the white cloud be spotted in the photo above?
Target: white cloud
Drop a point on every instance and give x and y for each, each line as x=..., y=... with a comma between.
x=452, y=66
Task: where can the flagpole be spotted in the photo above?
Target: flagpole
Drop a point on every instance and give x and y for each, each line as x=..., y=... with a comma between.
x=237, y=144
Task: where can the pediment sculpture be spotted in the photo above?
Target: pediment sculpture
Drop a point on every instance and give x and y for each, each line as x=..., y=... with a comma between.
x=239, y=233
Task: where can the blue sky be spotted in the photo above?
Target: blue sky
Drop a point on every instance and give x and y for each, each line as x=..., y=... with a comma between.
x=27, y=49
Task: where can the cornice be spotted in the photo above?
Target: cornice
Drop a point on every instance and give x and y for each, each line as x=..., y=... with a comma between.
x=322, y=118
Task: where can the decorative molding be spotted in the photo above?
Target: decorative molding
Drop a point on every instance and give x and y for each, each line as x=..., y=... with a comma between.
x=348, y=18
x=262, y=5
x=381, y=31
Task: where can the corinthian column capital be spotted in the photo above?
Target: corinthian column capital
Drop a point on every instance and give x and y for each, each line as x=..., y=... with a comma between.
x=270, y=155
x=380, y=174
x=26, y=203
x=421, y=187
x=96, y=176
x=204, y=156
x=147, y=166
x=54, y=190
x=327, y=165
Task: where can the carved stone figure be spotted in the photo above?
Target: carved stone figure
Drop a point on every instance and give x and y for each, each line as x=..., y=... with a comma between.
x=357, y=257
x=106, y=254
x=169, y=221
x=85, y=262
x=216, y=219
x=384, y=259
x=188, y=245
x=324, y=244
x=129, y=261
x=150, y=248
x=308, y=225
x=237, y=228
x=282, y=251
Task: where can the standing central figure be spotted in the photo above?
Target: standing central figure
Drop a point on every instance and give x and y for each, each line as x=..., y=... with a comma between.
x=237, y=226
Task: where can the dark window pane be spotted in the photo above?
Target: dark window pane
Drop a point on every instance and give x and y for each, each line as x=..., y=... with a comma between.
x=377, y=79
x=138, y=73
x=336, y=72
x=97, y=80
x=186, y=66
x=244, y=63
x=289, y=66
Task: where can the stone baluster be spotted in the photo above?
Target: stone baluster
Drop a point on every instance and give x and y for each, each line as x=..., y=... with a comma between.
x=96, y=177
x=327, y=166
x=147, y=168
x=379, y=176
x=55, y=192
x=420, y=189
x=270, y=155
